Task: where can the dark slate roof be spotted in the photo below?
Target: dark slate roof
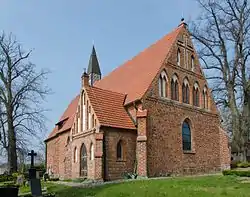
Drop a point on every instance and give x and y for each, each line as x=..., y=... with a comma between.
x=93, y=63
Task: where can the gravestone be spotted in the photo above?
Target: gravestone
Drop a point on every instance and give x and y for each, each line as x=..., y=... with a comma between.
x=35, y=182
x=20, y=180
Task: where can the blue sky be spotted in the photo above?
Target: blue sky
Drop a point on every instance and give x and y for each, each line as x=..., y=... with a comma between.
x=61, y=32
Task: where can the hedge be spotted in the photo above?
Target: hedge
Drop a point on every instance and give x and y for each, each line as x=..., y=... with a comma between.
x=236, y=173
x=243, y=165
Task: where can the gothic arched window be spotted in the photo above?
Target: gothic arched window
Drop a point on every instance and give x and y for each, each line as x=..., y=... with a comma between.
x=196, y=95
x=120, y=150
x=75, y=155
x=186, y=136
x=91, y=151
x=174, y=88
x=163, y=86
x=185, y=92
x=205, y=98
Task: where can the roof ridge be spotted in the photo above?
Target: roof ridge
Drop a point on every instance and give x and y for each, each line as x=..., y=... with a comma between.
x=108, y=90
x=179, y=27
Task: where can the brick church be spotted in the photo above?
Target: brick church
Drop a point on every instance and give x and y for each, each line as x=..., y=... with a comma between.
x=154, y=114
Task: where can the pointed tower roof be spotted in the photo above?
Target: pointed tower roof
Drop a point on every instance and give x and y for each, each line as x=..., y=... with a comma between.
x=93, y=63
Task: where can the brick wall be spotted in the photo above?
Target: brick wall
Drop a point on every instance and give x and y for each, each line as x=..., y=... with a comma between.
x=114, y=169
x=58, y=157
x=164, y=124
x=165, y=154
x=224, y=150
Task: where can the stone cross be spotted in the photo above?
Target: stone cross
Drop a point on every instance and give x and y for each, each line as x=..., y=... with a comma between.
x=32, y=154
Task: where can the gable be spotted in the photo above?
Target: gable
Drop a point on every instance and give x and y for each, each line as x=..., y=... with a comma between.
x=109, y=108
x=66, y=121
x=185, y=72
x=135, y=76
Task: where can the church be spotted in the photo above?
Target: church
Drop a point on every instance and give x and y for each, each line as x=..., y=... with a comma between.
x=153, y=115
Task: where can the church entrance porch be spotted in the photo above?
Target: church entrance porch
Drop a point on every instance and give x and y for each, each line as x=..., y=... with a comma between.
x=83, y=162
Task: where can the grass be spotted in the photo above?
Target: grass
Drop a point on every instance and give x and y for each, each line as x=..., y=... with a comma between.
x=210, y=186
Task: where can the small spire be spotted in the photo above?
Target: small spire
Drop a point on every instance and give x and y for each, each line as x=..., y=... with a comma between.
x=93, y=63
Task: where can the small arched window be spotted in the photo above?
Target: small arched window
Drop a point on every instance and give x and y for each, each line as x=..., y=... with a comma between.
x=178, y=57
x=186, y=136
x=75, y=155
x=196, y=95
x=91, y=151
x=185, y=92
x=205, y=98
x=192, y=63
x=174, y=88
x=163, y=86
x=119, y=150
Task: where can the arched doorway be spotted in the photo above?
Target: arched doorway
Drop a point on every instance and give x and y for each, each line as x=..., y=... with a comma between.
x=84, y=164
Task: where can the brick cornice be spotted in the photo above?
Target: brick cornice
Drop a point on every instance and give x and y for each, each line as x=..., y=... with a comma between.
x=188, y=107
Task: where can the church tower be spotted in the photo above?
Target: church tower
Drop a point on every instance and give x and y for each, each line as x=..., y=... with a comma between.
x=94, y=71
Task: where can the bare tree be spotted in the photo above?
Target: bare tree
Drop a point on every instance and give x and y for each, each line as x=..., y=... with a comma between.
x=22, y=91
x=222, y=33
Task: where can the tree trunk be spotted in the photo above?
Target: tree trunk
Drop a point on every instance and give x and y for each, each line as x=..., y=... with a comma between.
x=12, y=155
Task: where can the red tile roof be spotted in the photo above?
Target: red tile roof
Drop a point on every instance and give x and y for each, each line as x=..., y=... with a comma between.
x=109, y=108
x=135, y=76
x=66, y=119
x=132, y=79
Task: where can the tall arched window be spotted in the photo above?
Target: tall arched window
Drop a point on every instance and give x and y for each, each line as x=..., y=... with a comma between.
x=185, y=91
x=192, y=63
x=174, y=88
x=186, y=136
x=91, y=151
x=178, y=57
x=196, y=95
x=205, y=98
x=75, y=155
x=163, y=86
x=119, y=150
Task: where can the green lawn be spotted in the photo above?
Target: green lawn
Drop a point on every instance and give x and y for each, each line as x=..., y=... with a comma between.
x=212, y=186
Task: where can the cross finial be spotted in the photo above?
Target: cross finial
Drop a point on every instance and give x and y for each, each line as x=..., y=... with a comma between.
x=183, y=22
x=32, y=154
